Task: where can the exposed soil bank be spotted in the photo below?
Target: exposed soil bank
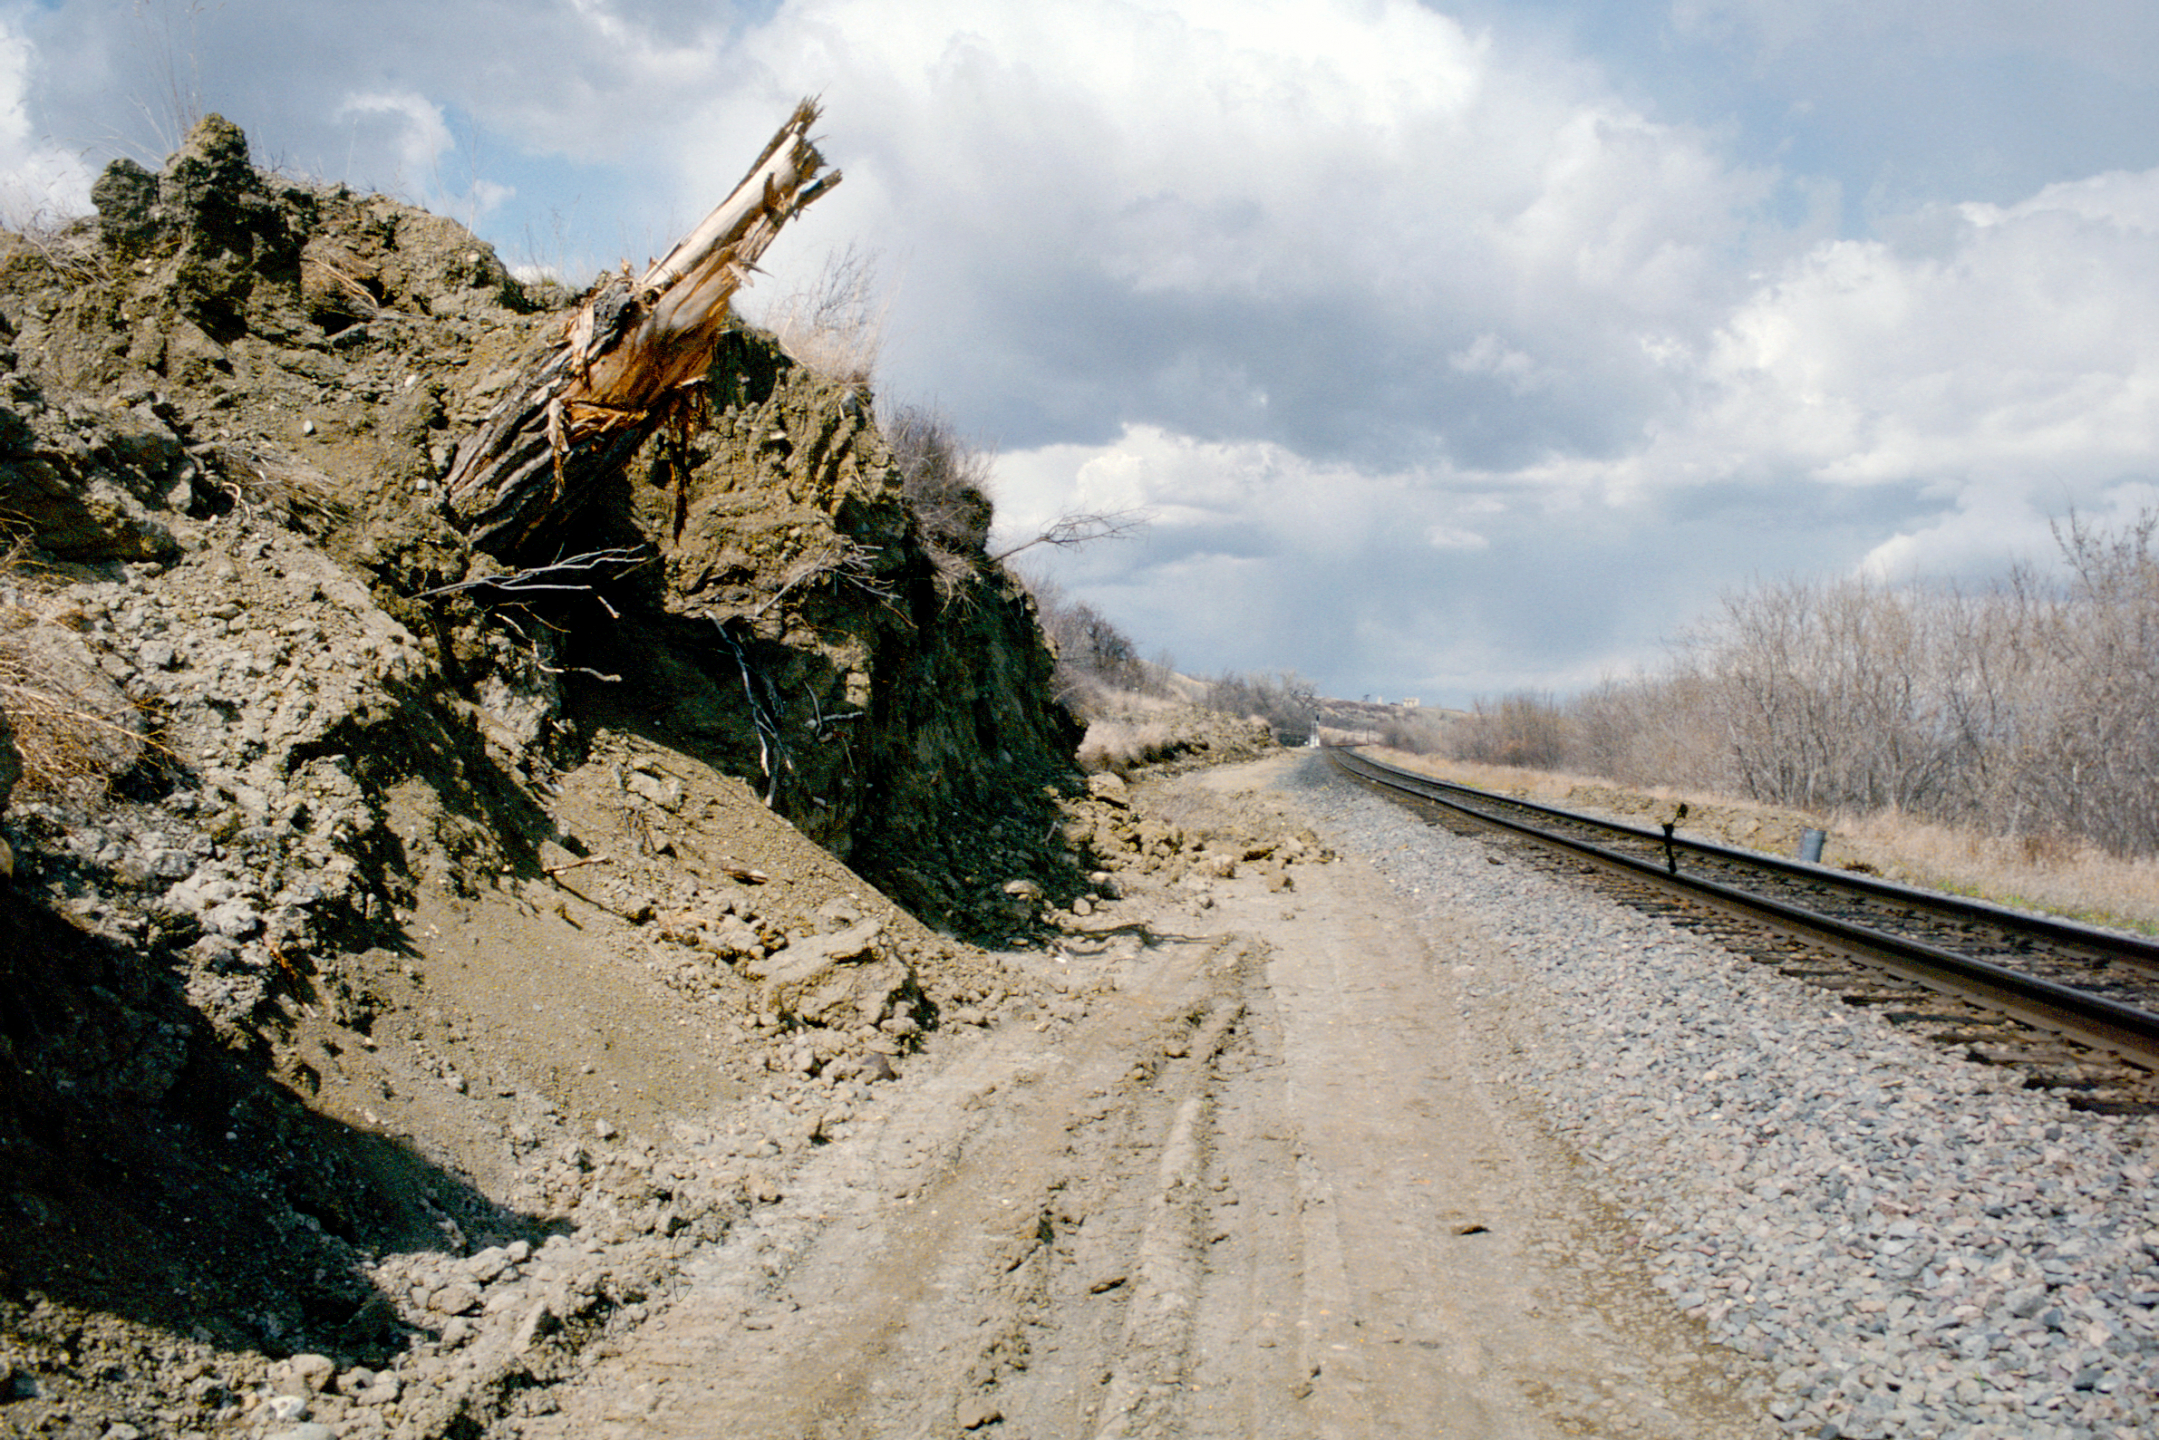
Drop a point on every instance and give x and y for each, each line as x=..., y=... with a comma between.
x=372, y=922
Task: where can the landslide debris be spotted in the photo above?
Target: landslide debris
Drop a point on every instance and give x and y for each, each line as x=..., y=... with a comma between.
x=379, y=925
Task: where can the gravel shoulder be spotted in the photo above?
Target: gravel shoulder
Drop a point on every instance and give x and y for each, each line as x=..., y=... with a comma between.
x=1914, y=1243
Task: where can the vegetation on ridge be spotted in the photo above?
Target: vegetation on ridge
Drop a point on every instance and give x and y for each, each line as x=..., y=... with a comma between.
x=2029, y=708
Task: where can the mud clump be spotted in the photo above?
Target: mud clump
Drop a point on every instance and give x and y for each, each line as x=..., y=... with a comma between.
x=379, y=924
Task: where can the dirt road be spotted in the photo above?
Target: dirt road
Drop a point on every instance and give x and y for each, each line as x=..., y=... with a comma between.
x=1251, y=1176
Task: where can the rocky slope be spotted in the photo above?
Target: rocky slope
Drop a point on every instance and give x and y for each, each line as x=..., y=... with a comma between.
x=379, y=919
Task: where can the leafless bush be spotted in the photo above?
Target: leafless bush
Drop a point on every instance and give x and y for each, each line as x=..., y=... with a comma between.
x=836, y=323
x=1097, y=663
x=1287, y=701
x=2030, y=708
x=1527, y=728
x=947, y=483
x=1843, y=693
x=2076, y=720
x=1419, y=732
x=1157, y=676
x=1648, y=730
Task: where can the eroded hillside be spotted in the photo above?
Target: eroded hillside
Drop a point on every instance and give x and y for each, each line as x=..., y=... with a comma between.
x=377, y=910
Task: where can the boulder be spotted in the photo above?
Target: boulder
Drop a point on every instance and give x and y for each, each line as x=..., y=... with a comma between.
x=838, y=981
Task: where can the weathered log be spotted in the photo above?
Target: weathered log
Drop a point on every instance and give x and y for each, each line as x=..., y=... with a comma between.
x=633, y=356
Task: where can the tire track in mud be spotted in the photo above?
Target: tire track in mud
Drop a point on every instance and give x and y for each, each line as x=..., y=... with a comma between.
x=975, y=1258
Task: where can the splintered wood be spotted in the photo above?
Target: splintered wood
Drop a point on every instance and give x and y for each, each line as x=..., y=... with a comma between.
x=632, y=357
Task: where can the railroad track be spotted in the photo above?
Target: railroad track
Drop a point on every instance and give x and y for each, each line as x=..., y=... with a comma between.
x=2067, y=1006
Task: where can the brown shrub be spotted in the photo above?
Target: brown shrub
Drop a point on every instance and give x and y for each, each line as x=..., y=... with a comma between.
x=946, y=480
x=2030, y=708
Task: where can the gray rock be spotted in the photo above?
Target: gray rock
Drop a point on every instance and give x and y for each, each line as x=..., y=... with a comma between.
x=489, y=1263
x=1109, y=788
x=664, y=791
x=456, y=1298
x=281, y=1407
x=538, y=1323
x=303, y=1375
x=233, y=919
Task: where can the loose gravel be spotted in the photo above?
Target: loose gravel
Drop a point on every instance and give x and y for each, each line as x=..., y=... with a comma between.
x=1921, y=1249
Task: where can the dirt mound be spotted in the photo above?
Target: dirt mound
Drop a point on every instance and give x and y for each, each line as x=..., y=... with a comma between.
x=1130, y=735
x=382, y=910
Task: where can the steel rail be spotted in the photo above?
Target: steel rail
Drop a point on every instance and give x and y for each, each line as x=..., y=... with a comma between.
x=2125, y=1030
x=1956, y=907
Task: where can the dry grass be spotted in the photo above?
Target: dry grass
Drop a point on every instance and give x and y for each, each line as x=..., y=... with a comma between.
x=67, y=244
x=2063, y=877
x=1121, y=746
x=287, y=489
x=73, y=731
x=836, y=324
x=2067, y=877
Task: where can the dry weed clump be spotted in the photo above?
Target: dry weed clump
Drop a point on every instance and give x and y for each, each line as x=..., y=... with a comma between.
x=73, y=731
x=1121, y=746
x=947, y=483
x=836, y=324
x=287, y=489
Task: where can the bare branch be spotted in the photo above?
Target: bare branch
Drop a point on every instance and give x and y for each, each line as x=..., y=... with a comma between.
x=1069, y=530
x=555, y=578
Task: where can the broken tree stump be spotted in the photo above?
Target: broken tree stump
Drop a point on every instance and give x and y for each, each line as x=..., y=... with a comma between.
x=632, y=357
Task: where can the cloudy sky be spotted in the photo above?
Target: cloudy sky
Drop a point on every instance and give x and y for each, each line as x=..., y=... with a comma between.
x=1456, y=347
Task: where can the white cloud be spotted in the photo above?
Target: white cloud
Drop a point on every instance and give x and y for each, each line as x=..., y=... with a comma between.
x=37, y=178
x=1352, y=295
x=1987, y=380
x=2025, y=353
x=1449, y=537
x=1212, y=217
x=423, y=143
x=1264, y=492
x=419, y=135
x=1490, y=355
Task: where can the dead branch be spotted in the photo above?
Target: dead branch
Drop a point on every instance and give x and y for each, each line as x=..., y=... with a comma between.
x=553, y=870
x=841, y=556
x=1082, y=529
x=630, y=358
x=554, y=578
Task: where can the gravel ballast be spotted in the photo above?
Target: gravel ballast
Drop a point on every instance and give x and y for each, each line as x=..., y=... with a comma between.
x=1920, y=1248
